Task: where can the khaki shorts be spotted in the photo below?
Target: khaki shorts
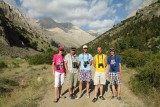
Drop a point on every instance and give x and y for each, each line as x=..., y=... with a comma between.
x=72, y=79
x=99, y=78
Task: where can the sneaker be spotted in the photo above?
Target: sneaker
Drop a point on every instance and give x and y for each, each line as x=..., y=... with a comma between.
x=87, y=95
x=94, y=100
x=79, y=96
x=119, y=98
x=113, y=97
x=101, y=97
x=56, y=100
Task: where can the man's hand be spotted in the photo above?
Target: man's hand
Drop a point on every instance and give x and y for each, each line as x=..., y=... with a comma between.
x=119, y=75
x=107, y=74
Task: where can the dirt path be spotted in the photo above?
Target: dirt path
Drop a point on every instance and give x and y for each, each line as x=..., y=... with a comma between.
x=128, y=98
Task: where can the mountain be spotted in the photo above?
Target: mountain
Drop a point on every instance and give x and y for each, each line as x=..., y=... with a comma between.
x=66, y=33
x=139, y=32
x=20, y=32
x=94, y=33
x=145, y=3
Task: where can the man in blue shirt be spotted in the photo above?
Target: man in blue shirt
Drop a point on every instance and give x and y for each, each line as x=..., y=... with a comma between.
x=85, y=62
x=114, y=72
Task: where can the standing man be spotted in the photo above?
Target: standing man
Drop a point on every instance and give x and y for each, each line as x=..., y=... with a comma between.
x=85, y=62
x=71, y=66
x=114, y=72
x=58, y=72
x=100, y=74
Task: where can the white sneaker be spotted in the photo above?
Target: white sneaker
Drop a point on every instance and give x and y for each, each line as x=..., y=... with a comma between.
x=87, y=95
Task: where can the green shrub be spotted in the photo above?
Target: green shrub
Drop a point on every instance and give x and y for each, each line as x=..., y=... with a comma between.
x=45, y=58
x=147, y=82
x=2, y=65
x=134, y=58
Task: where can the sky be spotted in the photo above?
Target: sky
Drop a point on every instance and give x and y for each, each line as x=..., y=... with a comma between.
x=98, y=15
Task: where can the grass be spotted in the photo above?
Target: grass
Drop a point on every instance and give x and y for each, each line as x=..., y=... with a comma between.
x=23, y=85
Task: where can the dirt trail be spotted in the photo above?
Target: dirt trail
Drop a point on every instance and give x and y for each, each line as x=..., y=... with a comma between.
x=128, y=98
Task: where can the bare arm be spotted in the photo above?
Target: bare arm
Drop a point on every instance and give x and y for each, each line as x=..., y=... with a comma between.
x=120, y=68
x=53, y=70
x=66, y=66
x=94, y=62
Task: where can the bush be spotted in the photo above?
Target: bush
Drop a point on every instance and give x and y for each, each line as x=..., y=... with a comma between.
x=2, y=65
x=134, y=58
x=146, y=81
x=45, y=58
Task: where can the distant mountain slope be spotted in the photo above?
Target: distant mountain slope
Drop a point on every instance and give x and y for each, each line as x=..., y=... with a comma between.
x=66, y=33
x=140, y=31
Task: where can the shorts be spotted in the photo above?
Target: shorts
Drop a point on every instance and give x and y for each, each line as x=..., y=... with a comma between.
x=59, y=79
x=114, y=78
x=85, y=75
x=72, y=79
x=99, y=78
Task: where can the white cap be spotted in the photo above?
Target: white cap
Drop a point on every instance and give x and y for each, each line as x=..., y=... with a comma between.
x=85, y=46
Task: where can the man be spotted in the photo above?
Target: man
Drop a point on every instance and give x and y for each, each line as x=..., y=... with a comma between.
x=71, y=66
x=58, y=72
x=100, y=74
x=114, y=72
x=85, y=62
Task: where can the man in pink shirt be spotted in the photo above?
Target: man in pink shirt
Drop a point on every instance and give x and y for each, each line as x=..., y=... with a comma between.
x=58, y=72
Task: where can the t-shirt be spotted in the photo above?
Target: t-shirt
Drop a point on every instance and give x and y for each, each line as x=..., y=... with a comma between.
x=72, y=62
x=83, y=58
x=114, y=62
x=100, y=63
x=59, y=63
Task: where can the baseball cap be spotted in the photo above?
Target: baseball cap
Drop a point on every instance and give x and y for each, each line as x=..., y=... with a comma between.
x=61, y=48
x=73, y=48
x=85, y=46
x=111, y=49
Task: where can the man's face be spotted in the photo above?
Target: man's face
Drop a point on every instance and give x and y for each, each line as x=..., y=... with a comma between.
x=111, y=53
x=85, y=50
x=99, y=50
x=61, y=51
x=72, y=52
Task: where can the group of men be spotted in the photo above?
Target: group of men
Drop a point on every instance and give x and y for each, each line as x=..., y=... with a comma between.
x=78, y=68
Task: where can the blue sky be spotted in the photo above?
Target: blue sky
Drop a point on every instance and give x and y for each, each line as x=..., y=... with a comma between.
x=99, y=15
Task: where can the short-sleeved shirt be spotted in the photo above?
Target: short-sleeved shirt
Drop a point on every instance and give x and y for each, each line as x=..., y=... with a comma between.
x=59, y=62
x=71, y=59
x=114, y=61
x=83, y=58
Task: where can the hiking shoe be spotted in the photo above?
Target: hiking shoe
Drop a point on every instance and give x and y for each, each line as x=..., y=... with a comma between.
x=74, y=95
x=119, y=98
x=71, y=96
x=87, y=95
x=101, y=97
x=94, y=100
x=113, y=97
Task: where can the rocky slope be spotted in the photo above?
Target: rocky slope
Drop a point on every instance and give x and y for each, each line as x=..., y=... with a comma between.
x=18, y=29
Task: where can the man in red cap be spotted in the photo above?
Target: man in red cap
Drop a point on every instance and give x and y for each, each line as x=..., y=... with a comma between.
x=58, y=72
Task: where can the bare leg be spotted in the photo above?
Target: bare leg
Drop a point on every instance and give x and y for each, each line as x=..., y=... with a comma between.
x=60, y=89
x=96, y=91
x=119, y=89
x=87, y=87
x=113, y=90
x=101, y=90
x=80, y=87
x=56, y=93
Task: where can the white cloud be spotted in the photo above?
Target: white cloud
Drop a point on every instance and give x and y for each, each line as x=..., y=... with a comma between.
x=101, y=24
x=133, y=5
